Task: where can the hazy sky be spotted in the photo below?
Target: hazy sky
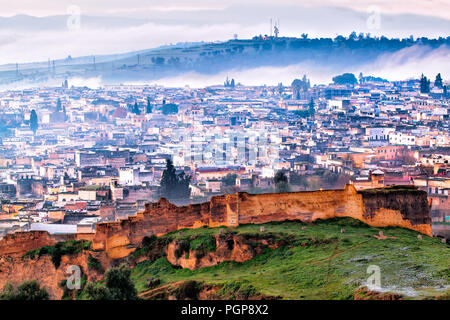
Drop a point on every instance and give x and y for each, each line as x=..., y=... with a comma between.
x=116, y=26
x=138, y=8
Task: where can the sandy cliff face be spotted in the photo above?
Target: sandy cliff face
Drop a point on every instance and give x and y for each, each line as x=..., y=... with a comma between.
x=17, y=269
x=121, y=237
x=20, y=242
x=228, y=248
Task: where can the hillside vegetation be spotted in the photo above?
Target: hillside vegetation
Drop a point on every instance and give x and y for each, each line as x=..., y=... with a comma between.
x=308, y=261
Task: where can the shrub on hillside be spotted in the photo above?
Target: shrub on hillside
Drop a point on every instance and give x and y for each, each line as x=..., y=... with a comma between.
x=117, y=286
x=97, y=291
x=119, y=283
x=237, y=290
x=60, y=249
x=27, y=290
x=94, y=264
x=187, y=290
x=181, y=247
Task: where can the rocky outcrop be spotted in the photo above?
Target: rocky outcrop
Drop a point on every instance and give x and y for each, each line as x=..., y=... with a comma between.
x=17, y=244
x=228, y=248
x=120, y=238
x=18, y=269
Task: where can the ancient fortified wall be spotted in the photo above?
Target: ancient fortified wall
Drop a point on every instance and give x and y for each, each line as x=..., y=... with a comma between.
x=406, y=207
x=402, y=207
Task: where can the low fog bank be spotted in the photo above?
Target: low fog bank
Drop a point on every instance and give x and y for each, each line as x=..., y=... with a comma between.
x=404, y=64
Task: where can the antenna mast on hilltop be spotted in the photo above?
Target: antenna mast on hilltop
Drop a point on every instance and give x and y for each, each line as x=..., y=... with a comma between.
x=276, y=28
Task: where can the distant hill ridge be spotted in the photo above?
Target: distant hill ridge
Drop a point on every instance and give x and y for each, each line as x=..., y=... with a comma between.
x=212, y=58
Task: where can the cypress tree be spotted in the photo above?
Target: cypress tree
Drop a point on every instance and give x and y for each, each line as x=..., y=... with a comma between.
x=33, y=121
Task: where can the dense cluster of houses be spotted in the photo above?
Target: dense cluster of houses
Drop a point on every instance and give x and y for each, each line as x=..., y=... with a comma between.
x=99, y=154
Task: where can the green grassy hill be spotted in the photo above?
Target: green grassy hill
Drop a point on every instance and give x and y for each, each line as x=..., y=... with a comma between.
x=315, y=261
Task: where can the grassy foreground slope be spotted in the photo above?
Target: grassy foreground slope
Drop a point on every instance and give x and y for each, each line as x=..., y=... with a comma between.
x=317, y=261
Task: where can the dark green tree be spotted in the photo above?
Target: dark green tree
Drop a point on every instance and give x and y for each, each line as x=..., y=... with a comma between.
x=312, y=110
x=169, y=108
x=27, y=290
x=58, y=105
x=438, y=81
x=136, y=109
x=281, y=182
x=149, y=108
x=118, y=285
x=97, y=291
x=346, y=78
x=160, y=60
x=361, y=78
x=302, y=113
x=33, y=121
x=424, y=84
x=168, y=179
x=229, y=179
x=173, y=185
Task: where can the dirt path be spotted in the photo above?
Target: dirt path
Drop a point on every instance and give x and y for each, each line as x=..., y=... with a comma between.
x=149, y=293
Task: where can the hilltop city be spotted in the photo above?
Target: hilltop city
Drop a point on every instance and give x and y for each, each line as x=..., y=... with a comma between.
x=71, y=157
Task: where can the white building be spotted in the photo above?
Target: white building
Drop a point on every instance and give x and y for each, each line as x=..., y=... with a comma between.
x=379, y=133
x=129, y=176
x=400, y=138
